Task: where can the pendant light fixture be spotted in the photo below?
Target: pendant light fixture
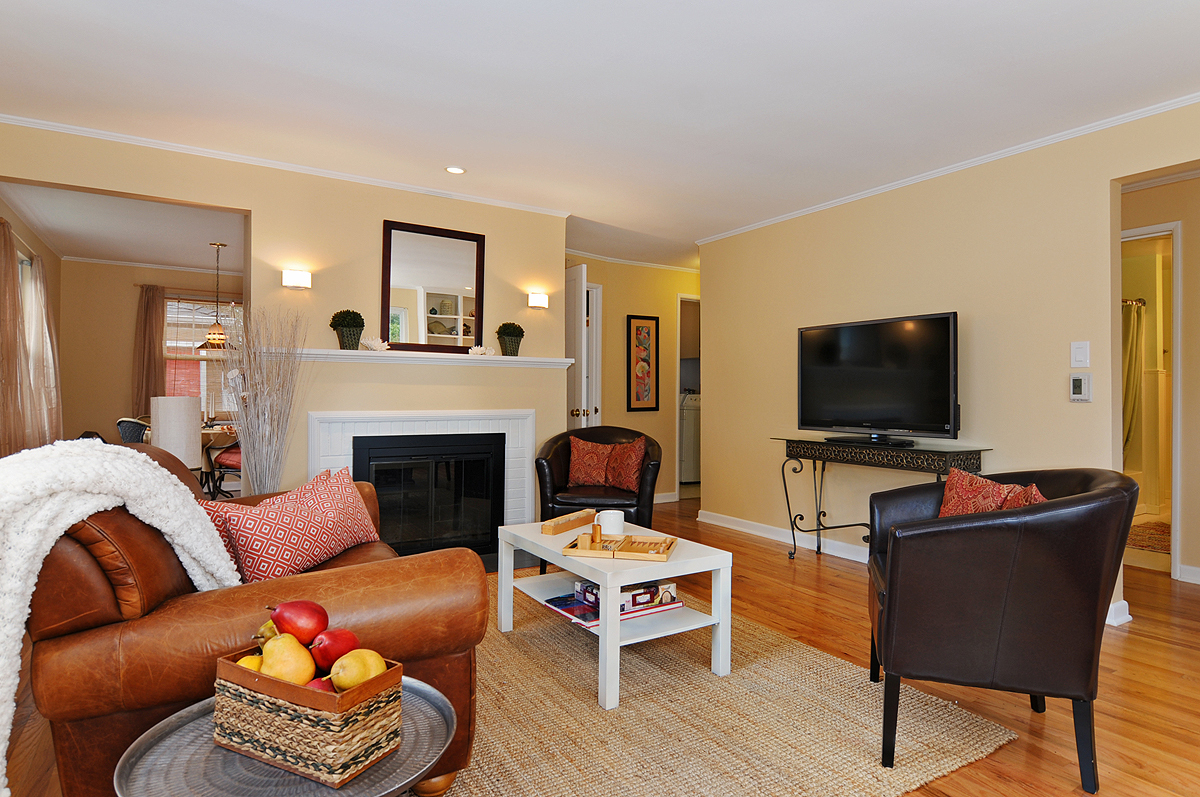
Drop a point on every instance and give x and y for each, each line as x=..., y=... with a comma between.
x=215, y=339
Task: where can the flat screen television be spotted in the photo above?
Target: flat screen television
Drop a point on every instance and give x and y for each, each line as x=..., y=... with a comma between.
x=891, y=376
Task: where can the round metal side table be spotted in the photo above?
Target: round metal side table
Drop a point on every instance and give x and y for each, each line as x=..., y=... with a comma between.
x=178, y=757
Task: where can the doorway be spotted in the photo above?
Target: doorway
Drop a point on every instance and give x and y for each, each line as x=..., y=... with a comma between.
x=1149, y=325
x=688, y=438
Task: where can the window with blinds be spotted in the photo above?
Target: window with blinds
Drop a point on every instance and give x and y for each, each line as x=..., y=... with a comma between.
x=192, y=371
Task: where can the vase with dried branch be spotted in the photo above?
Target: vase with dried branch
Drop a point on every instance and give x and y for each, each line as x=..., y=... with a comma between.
x=263, y=373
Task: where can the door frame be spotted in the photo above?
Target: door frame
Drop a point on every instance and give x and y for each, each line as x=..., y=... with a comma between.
x=1175, y=230
x=680, y=298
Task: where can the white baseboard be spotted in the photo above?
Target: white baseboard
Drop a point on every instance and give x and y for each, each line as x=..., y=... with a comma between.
x=666, y=498
x=842, y=550
x=1118, y=613
x=1189, y=574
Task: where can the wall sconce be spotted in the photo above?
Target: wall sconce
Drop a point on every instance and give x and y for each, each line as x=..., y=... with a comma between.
x=539, y=300
x=296, y=280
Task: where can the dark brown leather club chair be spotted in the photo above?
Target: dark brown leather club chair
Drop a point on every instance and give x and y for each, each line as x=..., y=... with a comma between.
x=554, y=466
x=122, y=639
x=1013, y=600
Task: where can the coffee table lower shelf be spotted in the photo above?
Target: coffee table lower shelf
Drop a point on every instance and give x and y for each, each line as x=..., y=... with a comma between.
x=633, y=629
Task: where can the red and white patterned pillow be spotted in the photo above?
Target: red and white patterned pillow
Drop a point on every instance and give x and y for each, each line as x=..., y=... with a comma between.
x=333, y=493
x=624, y=469
x=589, y=463
x=293, y=532
x=276, y=541
x=967, y=494
x=1025, y=497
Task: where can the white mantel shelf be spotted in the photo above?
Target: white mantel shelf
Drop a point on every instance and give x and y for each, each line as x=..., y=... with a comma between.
x=432, y=358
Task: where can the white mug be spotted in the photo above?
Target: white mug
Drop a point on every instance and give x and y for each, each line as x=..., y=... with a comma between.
x=612, y=521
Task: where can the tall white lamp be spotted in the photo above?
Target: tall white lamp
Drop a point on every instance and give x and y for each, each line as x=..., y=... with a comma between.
x=175, y=424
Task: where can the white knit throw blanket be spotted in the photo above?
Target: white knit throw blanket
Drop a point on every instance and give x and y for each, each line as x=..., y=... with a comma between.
x=44, y=491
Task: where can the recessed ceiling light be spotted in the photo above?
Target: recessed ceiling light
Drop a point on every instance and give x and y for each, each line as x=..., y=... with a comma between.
x=455, y=170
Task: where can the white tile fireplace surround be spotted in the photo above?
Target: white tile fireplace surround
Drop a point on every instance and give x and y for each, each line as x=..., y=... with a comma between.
x=331, y=443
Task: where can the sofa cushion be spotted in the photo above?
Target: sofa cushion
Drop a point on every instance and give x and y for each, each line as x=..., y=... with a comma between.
x=967, y=493
x=336, y=493
x=589, y=462
x=624, y=469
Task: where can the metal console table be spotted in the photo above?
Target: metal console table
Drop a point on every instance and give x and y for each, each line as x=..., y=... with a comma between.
x=921, y=458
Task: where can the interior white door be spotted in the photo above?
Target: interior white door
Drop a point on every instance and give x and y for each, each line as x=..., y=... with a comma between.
x=576, y=348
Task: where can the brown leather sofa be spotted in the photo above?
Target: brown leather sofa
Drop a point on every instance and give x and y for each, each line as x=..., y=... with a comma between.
x=122, y=639
x=553, y=466
x=1013, y=600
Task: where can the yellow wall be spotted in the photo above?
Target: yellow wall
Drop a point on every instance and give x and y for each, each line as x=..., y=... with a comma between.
x=958, y=242
x=95, y=342
x=335, y=229
x=642, y=290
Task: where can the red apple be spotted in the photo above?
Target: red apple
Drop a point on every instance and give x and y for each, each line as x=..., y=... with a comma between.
x=302, y=619
x=323, y=684
x=330, y=645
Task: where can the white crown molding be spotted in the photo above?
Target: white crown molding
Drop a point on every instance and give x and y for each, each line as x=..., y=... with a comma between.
x=138, y=141
x=430, y=358
x=1166, y=179
x=150, y=265
x=1104, y=124
x=607, y=259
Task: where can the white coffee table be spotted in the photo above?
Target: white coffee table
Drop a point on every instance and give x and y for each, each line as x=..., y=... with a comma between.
x=611, y=575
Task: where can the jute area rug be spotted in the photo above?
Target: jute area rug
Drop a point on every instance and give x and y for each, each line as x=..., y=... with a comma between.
x=788, y=719
x=1153, y=535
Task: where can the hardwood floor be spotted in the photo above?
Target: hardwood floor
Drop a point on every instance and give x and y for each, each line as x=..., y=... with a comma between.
x=1147, y=713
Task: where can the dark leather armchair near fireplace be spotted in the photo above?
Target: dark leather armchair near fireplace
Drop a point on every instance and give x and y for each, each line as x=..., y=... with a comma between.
x=554, y=466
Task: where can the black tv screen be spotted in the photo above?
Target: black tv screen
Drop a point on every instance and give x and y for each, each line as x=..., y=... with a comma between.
x=883, y=377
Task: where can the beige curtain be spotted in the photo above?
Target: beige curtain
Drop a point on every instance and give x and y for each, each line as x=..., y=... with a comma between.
x=149, y=364
x=14, y=352
x=1133, y=360
x=45, y=410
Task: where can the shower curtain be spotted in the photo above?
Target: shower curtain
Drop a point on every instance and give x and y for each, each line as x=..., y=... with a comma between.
x=1133, y=358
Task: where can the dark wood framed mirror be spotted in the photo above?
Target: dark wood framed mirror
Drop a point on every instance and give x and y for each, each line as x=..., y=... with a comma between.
x=432, y=289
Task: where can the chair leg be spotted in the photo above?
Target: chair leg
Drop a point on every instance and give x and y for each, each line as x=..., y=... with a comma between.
x=891, y=707
x=874, y=662
x=1038, y=703
x=1085, y=745
x=542, y=566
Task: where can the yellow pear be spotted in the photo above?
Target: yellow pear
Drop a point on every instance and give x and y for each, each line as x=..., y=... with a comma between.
x=355, y=667
x=251, y=662
x=265, y=632
x=285, y=658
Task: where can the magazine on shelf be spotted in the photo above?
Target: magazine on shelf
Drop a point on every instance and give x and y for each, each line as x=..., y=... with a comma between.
x=589, y=616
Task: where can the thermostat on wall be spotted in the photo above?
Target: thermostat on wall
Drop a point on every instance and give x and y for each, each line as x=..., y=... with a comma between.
x=1081, y=387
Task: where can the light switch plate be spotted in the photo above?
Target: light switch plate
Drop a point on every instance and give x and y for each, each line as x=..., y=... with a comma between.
x=1081, y=387
x=1081, y=354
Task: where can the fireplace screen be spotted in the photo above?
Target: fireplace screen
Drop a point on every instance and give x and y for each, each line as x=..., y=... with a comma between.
x=435, y=491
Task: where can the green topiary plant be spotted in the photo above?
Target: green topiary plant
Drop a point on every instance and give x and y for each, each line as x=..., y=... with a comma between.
x=347, y=319
x=510, y=330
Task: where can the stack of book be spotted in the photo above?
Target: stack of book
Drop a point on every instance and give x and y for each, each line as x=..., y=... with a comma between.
x=637, y=600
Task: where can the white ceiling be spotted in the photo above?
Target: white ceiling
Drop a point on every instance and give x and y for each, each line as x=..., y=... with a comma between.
x=88, y=226
x=654, y=124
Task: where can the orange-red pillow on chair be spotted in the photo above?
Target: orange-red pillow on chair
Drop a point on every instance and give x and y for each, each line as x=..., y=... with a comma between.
x=589, y=463
x=1027, y=496
x=625, y=465
x=967, y=494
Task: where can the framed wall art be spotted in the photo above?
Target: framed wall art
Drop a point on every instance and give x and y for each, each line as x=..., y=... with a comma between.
x=641, y=355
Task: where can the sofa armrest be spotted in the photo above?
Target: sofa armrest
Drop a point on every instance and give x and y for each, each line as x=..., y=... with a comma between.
x=902, y=505
x=408, y=609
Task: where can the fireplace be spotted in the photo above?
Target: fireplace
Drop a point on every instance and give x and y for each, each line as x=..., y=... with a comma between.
x=435, y=490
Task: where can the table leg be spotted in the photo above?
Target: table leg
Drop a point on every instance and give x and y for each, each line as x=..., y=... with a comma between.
x=722, y=608
x=610, y=647
x=504, y=590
